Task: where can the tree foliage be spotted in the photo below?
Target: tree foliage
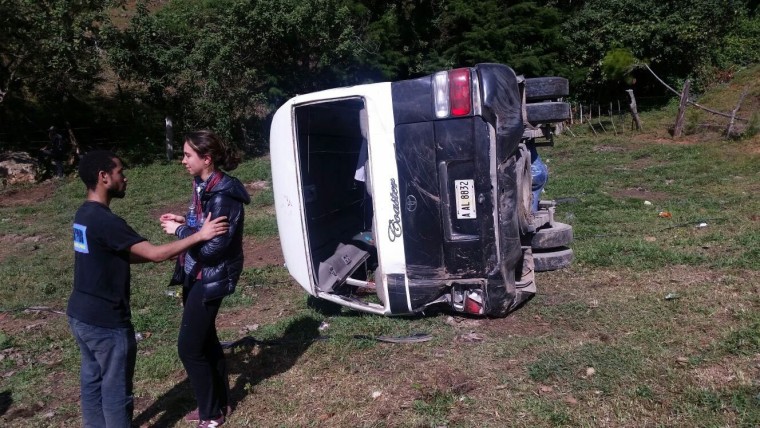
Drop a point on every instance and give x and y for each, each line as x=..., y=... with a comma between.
x=227, y=64
x=676, y=38
x=222, y=64
x=50, y=49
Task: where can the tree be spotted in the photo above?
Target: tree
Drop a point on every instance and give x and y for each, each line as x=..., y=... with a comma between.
x=676, y=38
x=49, y=49
x=419, y=37
x=226, y=64
x=525, y=35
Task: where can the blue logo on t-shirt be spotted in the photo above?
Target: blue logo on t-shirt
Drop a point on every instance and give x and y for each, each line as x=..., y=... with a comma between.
x=80, y=239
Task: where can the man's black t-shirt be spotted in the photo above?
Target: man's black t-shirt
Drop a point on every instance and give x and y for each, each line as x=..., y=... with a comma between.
x=101, y=267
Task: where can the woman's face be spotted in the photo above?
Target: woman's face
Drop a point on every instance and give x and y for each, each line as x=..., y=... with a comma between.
x=194, y=163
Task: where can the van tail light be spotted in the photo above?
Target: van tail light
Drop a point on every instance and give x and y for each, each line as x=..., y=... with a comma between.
x=452, y=93
x=459, y=92
x=441, y=94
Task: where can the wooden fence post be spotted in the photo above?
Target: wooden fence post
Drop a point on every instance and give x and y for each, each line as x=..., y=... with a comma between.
x=76, y=151
x=678, y=128
x=730, y=128
x=634, y=111
x=599, y=117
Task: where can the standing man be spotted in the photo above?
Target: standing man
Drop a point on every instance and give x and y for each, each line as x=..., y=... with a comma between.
x=56, y=150
x=98, y=310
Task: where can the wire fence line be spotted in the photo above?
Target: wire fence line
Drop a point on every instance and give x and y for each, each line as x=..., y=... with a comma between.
x=609, y=117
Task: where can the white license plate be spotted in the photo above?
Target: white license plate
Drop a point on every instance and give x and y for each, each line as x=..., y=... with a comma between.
x=465, y=197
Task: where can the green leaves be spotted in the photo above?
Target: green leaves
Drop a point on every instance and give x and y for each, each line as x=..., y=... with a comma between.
x=677, y=39
x=225, y=63
x=50, y=49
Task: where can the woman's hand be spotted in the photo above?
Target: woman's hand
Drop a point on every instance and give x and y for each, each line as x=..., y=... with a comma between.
x=170, y=226
x=171, y=217
x=215, y=227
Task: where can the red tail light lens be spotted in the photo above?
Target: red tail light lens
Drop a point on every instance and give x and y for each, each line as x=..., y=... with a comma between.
x=459, y=92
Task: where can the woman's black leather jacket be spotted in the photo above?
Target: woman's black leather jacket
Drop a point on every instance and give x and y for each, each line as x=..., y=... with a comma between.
x=221, y=258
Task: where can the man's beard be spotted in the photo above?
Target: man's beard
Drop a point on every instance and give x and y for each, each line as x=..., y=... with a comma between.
x=117, y=194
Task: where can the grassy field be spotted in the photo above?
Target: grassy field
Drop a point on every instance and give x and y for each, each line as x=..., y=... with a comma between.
x=657, y=322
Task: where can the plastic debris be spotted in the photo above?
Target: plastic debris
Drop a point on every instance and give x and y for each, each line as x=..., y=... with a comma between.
x=665, y=214
x=173, y=292
x=671, y=296
x=324, y=326
x=701, y=225
x=376, y=394
x=473, y=303
x=647, y=203
x=139, y=336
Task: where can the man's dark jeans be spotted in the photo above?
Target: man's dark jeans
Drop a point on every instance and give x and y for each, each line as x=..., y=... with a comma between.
x=108, y=366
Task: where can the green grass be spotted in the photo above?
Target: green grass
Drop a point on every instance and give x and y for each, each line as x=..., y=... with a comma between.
x=684, y=361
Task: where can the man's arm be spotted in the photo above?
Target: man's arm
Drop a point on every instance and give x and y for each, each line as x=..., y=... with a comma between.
x=144, y=251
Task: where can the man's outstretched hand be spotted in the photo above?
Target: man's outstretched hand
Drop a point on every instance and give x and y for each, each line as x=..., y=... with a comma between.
x=213, y=228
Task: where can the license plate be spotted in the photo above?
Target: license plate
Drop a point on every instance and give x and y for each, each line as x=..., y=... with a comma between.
x=465, y=197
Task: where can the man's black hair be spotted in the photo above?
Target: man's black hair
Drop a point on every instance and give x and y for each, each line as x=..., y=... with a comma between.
x=92, y=163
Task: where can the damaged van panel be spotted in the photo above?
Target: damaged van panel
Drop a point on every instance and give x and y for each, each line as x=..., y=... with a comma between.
x=393, y=197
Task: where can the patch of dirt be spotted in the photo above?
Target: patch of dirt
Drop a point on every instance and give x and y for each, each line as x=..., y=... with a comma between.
x=727, y=373
x=14, y=244
x=256, y=186
x=28, y=195
x=261, y=252
x=642, y=163
x=640, y=193
x=604, y=148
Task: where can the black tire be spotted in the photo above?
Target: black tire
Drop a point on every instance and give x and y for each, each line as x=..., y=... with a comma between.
x=546, y=88
x=547, y=112
x=558, y=235
x=552, y=260
x=524, y=190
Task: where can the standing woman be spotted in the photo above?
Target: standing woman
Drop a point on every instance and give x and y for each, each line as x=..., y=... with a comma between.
x=208, y=272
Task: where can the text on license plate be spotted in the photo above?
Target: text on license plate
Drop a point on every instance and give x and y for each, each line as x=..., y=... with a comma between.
x=465, y=197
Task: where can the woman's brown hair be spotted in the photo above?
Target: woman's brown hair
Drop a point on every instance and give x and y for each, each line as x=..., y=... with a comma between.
x=205, y=142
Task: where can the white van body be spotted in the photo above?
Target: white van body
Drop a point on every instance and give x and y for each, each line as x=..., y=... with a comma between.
x=394, y=197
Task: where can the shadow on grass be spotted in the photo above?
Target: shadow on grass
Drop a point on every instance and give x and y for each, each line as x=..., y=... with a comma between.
x=6, y=399
x=277, y=356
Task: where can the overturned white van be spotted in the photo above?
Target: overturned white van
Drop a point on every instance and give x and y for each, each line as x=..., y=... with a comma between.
x=392, y=197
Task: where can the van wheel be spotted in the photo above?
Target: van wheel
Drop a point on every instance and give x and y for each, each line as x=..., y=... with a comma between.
x=323, y=307
x=557, y=235
x=552, y=260
x=547, y=112
x=546, y=88
x=524, y=190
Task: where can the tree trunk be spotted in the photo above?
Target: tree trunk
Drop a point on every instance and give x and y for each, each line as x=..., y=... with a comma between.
x=634, y=111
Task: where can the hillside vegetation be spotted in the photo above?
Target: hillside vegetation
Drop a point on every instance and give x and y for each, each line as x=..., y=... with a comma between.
x=116, y=69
